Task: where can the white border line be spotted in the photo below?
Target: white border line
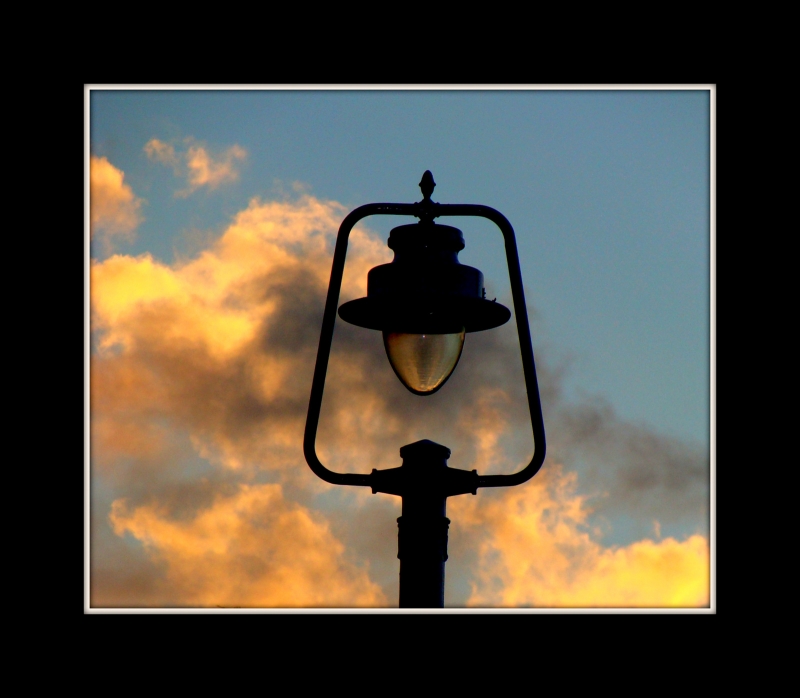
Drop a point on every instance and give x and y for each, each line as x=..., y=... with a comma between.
x=712, y=609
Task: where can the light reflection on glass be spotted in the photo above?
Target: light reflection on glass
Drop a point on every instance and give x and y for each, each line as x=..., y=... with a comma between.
x=423, y=362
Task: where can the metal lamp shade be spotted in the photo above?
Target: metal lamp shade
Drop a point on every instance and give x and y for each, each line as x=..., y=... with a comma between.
x=425, y=289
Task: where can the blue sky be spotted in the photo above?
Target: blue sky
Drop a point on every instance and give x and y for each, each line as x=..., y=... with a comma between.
x=608, y=190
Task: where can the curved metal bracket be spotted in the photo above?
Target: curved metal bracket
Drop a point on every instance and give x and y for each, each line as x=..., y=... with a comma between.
x=427, y=209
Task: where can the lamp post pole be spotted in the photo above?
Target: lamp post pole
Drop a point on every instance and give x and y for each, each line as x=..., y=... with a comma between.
x=424, y=481
x=422, y=530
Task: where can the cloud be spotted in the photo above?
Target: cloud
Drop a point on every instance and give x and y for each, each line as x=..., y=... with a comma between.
x=162, y=152
x=200, y=378
x=643, y=473
x=251, y=549
x=537, y=549
x=206, y=172
x=222, y=345
x=115, y=211
x=638, y=473
x=209, y=360
x=197, y=165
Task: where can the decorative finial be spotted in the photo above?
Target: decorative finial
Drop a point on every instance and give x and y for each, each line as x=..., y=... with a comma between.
x=426, y=185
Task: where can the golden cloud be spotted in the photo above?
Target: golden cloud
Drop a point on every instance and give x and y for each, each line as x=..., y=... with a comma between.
x=537, y=550
x=197, y=164
x=251, y=549
x=220, y=345
x=161, y=152
x=207, y=172
x=114, y=209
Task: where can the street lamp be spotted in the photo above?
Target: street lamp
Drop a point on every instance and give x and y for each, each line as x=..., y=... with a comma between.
x=424, y=302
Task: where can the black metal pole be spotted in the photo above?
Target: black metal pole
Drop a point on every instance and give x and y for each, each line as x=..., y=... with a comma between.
x=422, y=550
x=422, y=529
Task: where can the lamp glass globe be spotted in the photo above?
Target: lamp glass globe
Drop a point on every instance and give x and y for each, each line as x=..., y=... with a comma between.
x=423, y=362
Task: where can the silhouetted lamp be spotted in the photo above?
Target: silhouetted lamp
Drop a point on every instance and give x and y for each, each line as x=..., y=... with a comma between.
x=424, y=302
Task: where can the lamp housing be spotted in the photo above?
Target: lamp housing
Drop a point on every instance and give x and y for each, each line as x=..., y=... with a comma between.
x=425, y=289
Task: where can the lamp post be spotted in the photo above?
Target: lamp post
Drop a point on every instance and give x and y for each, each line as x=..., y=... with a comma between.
x=424, y=302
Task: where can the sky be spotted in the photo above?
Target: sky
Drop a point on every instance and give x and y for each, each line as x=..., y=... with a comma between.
x=211, y=219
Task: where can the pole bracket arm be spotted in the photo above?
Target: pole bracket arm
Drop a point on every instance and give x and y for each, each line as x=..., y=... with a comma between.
x=444, y=482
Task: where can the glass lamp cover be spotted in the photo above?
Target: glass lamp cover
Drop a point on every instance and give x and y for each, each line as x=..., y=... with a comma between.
x=423, y=362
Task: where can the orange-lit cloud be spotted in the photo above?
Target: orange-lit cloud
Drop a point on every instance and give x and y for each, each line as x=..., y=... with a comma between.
x=207, y=172
x=200, y=168
x=222, y=344
x=537, y=550
x=161, y=152
x=251, y=549
x=200, y=379
x=115, y=211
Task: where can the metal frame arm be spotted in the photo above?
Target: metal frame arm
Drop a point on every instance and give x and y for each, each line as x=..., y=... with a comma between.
x=524, y=334
x=430, y=210
x=326, y=337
